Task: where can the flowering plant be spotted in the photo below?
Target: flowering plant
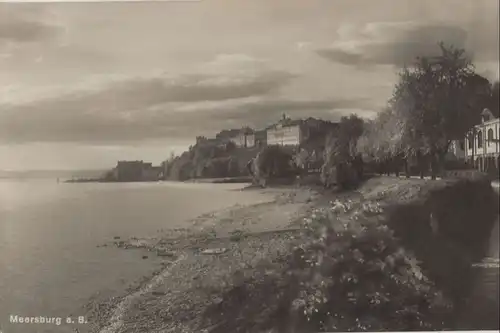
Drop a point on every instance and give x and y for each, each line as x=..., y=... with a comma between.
x=355, y=275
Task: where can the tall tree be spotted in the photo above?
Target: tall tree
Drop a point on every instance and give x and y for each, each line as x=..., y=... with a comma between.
x=440, y=98
x=349, y=131
x=494, y=99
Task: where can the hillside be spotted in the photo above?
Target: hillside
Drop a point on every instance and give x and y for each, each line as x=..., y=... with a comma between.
x=210, y=160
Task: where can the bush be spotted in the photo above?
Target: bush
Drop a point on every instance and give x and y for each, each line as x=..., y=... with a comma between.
x=349, y=273
x=343, y=174
x=273, y=162
x=358, y=277
x=343, y=164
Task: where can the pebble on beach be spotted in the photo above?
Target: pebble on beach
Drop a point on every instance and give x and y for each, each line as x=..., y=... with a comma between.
x=214, y=251
x=164, y=253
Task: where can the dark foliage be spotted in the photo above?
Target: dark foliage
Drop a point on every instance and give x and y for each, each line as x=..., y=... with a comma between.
x=273, y=162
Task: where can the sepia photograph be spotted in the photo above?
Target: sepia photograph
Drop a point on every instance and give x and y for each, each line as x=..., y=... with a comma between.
x=249, y=166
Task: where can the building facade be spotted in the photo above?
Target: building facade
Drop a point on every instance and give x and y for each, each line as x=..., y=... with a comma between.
x=151, y=173
x=482, y=144
x=134, y=171
x=289, y=134
x=129, y=170
x=250, y=140
x=242, y=138
x=245, y=138
x=285, y=132
x=299, y=132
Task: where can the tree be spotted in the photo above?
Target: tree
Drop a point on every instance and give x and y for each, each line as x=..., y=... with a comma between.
x=272, y=162
x=381, y=144
x=341, y=161
x=494, y=99
x=230, y=146
x=440, y=99
x=349, y=131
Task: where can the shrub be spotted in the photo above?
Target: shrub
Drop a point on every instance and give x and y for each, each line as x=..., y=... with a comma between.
x=358, y=277
x=272, y=162
x=349, y=273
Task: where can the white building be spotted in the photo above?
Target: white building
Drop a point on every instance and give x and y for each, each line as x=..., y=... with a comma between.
x=482, y=144
x=288, y=132
x=284, y=134
x=250, y=140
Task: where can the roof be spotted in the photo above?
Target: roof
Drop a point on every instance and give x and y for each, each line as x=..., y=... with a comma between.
x=130, y=162
x=486, y=111
x=302, y=122
x=228, y=133
x=231, y=133
x=286, y=123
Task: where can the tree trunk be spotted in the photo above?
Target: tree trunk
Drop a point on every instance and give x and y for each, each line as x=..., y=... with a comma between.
x=434, y=165
x=441, y=164
x=397, y=165
x=407, y=169
x=420, y=164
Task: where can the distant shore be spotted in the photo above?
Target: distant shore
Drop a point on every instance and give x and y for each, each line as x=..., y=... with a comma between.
x=225, y=180
x=222, y=180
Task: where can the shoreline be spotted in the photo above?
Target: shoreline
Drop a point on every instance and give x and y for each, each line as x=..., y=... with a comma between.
x=245, y=243
x=222, y=180
x=231, y=229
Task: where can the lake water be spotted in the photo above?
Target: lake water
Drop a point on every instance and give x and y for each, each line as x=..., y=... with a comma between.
x=49, y=262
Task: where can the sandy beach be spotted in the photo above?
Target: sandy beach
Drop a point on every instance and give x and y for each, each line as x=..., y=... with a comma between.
x=213, y=251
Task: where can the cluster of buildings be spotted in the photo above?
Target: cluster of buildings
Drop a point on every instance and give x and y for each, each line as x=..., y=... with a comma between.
x=481, y=146
x=285, y=132
x=241, y=138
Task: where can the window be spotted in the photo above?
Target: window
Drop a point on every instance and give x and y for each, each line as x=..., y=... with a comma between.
x=490, y=136
x=461, y=144
x=470, y=141
x=479, y=139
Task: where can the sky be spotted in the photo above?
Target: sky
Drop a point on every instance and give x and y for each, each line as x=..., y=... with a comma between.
x=83, y=85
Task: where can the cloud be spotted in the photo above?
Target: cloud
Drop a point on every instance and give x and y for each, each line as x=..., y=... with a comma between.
x=18, y=26
x=207, y=119
x=129, y=110
x=261, y=113
x=238, y=61
x=19, y=30
x=399, y=43
x=65, y=123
